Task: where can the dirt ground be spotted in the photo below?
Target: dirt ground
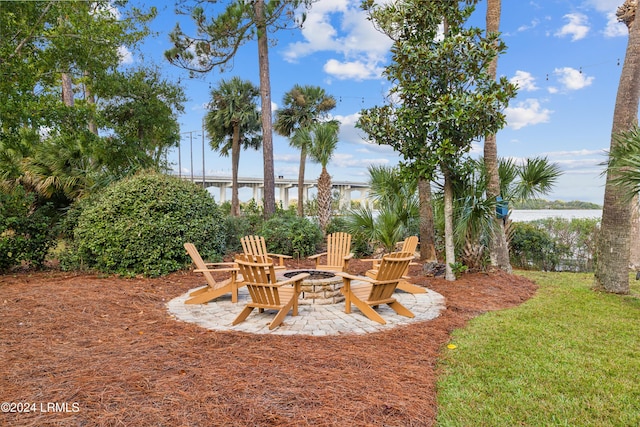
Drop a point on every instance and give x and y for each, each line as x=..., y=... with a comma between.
x=85, y=350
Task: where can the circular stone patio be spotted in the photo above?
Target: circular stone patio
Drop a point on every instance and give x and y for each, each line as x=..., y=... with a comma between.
x=314, y=319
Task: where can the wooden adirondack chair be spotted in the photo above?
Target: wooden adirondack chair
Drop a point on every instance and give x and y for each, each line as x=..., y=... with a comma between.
x=213, y=289
x=367, y=293
x=409, y=246
x=257, y=247
x=338, y=253
x=266, y=292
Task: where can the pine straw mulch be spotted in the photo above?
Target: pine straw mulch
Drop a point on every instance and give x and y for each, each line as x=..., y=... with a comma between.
x=107, y=348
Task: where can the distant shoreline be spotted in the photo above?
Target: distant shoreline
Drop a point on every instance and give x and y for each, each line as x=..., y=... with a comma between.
x=524, y=215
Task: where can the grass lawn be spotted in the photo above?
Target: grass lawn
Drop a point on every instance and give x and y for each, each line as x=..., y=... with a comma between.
x=570, y=356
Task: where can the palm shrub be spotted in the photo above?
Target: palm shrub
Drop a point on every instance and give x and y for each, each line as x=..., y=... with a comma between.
x=139, y=225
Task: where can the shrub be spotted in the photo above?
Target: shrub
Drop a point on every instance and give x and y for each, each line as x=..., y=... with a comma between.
x=533, y=248
x=25, y=229
x=139, y=225
x=289, y=234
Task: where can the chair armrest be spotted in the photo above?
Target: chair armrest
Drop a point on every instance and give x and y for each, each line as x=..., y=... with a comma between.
x=215, y=264
x=350, y=276
x=317, y=255
x=215, y=270
x=296, y=278
x=348, y=257
x=280, y=256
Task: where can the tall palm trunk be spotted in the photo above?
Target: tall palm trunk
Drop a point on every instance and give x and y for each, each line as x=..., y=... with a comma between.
x=499, y=250
x=324, y=199
x=427, y=233
x=612, y=267
x=235, y=162
x=303, y=159
x=269, y=201
x=449, y=247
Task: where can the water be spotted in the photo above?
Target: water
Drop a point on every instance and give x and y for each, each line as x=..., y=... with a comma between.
x=525, y=215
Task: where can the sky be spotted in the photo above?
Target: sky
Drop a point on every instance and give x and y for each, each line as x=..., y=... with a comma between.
x=565, y=56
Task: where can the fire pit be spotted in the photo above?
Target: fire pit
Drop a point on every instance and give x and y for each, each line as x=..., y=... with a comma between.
x=321, y=287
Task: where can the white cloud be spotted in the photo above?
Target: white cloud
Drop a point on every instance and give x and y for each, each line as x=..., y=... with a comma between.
x=126, y=57
x=524, y=80
x=572, y=79
x=577, y=27
x=614, y=28
x=343, y=160
x=534, y=23
x=604, y=5
x=339, y=26
x=355, y=70
x=525, y=113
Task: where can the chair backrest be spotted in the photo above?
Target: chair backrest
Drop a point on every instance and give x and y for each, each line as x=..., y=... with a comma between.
x=258, y=276
x=255, y=246
x=253, y=270
x=338, y=247
x=391, y=270
x=410, y=244
x=394, y=265
x=199, y=262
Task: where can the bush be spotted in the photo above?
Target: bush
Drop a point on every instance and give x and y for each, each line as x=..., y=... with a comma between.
x=139, y=225
x=25, y=229
x=534, y=249
x=288, y=234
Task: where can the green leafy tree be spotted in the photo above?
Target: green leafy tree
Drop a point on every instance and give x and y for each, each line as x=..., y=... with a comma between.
x=234, y=124
x=218, y=39
x=302, y=107
x=70, y=50
x=447, y=98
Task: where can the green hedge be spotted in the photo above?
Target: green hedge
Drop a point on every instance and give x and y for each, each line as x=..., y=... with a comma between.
x=288, y=234
x=25, y=229
x=138, y=227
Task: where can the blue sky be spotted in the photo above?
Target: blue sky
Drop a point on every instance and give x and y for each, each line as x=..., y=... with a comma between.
x=565, y=55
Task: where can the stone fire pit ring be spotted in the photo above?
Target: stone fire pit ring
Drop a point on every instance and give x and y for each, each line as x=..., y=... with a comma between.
x=321, y=287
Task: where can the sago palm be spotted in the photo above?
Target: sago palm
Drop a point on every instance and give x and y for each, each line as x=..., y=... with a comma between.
x=233, y=123
x=302, y=107
x=324, y=137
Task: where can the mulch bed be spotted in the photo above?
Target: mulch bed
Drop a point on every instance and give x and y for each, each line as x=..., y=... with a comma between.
x=103, y=351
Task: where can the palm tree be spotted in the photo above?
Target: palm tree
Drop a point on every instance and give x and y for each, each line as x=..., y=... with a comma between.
x=614, y=242
x=475, y=212
x=398, y=209
x=499, y=249
x=234, y=124
x=303, y=106
x=324, y=137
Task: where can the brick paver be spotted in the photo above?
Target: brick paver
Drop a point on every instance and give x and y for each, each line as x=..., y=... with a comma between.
x=314, y=320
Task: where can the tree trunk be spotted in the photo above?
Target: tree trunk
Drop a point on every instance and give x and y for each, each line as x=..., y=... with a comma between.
x=498, y=247
x=91, y=101
x=324, y=199
x=67, y=90
x=612, y=267
x=303, y=159
x=449, y=247
x=235, y=162
x=269, y=201
x=427, y=233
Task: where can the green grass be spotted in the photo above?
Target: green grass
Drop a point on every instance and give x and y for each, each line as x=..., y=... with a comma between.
x=570, y=356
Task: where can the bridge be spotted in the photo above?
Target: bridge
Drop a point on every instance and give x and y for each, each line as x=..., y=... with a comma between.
x=283, y=187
